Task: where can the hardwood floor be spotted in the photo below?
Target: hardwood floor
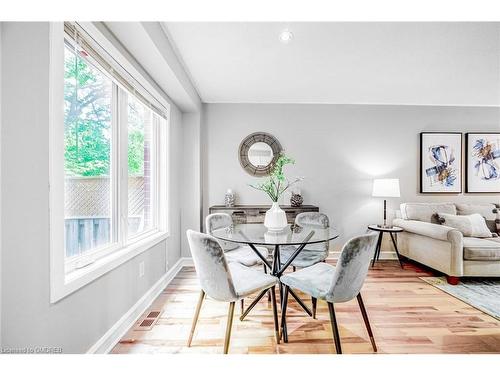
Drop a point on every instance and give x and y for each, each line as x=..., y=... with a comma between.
x=407, y=315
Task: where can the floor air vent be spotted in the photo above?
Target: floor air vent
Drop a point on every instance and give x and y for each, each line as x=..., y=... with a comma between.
x=148, y=322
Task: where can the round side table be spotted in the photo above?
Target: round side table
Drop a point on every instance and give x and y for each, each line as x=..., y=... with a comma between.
x=381, y=231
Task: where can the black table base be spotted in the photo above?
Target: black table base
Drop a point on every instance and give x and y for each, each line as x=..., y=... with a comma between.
x=379, y=243
x=278, y=270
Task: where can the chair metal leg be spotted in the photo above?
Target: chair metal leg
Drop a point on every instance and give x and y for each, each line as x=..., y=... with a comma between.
x=252, y=305
x=196, y=315
x=284, y=332
x=230, y=316
x=314, y=303
x=367, y=322
x=242, y=304
x=335, y=328
x=275, y=314
x=294, y=268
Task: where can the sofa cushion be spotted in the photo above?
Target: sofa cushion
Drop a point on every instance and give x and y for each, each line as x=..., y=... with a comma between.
x=469, y=225
x=486, y=210
x=426, y=211
x=481, y=249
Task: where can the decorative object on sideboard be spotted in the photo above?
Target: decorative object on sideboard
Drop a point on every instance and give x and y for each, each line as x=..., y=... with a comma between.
x=255, y=214
x=230, y=198
x=482, y=154
x=274, y=186
x=258, y=153
x=386, y=188
x=296, y=199
x=440, y=162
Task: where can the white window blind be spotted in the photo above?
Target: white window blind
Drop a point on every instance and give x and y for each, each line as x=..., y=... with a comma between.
x=88, y=47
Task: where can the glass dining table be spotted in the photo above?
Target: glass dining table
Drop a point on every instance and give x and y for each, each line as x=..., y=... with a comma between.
x=258, y=235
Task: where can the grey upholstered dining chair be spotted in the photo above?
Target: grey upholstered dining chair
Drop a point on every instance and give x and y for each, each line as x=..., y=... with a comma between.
x=313, y=253
x=335, y=284
x=226, y=282
x=234, y=252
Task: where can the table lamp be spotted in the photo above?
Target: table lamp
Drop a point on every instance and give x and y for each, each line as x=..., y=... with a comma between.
x=386, y=188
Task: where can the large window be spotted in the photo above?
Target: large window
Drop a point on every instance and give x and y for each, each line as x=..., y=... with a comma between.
x=112, y=141
x=87, y=156
x=140, y=168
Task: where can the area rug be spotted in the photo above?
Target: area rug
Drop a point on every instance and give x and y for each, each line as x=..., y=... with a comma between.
x=482, y=294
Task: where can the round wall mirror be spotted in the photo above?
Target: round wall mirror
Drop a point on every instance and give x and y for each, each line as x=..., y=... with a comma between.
x=258, y=153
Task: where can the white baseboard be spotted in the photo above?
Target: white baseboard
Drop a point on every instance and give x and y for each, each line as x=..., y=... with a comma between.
x=384, y=255
x=108, y=341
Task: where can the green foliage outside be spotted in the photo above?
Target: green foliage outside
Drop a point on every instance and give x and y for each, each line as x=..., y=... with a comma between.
x=87, y=119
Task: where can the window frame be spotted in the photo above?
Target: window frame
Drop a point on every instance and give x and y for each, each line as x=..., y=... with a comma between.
x=83, y=260
x=121, y=249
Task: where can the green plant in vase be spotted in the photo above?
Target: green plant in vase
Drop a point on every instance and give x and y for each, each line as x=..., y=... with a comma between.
x=274, y=186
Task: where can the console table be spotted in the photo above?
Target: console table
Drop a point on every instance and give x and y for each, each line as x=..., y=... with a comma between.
x=247, y=214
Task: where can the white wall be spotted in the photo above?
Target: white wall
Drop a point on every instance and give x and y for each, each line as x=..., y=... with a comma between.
x=28, y=318
x=339, y=149
x=190, y=180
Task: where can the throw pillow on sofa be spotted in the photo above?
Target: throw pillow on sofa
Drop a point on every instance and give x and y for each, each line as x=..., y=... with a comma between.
x=496, y=211
x=469, y=225
x=486, y=210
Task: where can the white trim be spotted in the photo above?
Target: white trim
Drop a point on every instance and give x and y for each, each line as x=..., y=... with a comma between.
x=0, y=185
x=108, y=341
x=81, y=277
x=351, y=103
x=56, y=160
x=384, y=255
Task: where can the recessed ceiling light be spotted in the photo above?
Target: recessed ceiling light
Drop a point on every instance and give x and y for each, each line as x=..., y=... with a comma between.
x=286, y=36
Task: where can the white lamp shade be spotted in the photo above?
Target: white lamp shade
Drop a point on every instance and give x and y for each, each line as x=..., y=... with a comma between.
x=386, y=187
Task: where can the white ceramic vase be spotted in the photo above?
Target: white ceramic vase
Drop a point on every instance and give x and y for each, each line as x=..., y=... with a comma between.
x=275, y=219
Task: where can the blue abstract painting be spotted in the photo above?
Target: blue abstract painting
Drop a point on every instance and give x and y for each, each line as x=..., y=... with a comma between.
x=483, y=162
x=441, y=162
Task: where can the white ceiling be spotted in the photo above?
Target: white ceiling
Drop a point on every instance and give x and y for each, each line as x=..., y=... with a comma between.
x=375, y=63
x=148, y=44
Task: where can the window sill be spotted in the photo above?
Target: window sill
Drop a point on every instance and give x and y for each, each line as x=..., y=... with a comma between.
x=81, y=277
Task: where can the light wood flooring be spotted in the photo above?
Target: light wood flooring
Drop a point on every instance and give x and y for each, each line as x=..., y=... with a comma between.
x=407, y=316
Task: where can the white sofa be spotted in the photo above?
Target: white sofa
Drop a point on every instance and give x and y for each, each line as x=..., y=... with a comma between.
x=444, y=248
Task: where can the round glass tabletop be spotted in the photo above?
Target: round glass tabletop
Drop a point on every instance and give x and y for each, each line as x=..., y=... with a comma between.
x=258, y=234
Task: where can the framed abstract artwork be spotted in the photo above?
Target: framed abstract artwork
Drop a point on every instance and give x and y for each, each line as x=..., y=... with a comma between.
x=440, y=162
x=482, y=162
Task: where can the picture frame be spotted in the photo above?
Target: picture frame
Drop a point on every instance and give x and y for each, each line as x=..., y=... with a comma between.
x=482, y=171
x=441, y=162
